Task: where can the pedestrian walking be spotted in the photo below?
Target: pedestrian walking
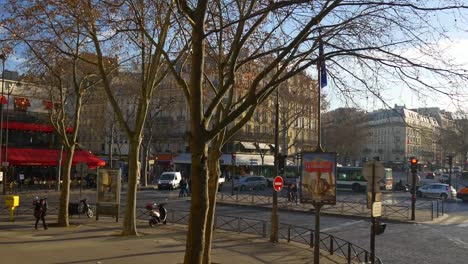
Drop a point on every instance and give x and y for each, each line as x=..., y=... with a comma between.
x=183, y=188
x=40, y=211
x=292, y=193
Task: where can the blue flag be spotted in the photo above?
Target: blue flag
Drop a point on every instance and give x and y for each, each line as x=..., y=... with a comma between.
x=321, y=65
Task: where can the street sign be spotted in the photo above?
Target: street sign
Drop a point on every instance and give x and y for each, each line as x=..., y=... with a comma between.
x=378, y=198
x=377, y=209
x=379, y=170
x=278, y=183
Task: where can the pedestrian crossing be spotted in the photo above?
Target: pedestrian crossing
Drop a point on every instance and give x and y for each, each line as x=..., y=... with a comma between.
x=450, y=220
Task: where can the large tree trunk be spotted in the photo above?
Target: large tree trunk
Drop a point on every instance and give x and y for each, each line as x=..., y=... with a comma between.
x=63, y=219
x=199, y=204
x=129, y=224
x=214, y=172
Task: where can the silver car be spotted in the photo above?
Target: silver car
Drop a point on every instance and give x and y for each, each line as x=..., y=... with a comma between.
x=251, y=182
x=437, y=190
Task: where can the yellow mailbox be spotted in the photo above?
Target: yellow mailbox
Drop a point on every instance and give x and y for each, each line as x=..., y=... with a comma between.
x=12, y=201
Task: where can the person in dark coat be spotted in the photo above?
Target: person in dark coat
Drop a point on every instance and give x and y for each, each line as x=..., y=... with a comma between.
x=183, y=188
x=40, y=211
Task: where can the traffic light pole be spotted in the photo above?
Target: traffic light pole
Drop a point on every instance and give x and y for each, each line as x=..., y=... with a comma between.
x=372, y=238
x=450, y=159
x=413, y=197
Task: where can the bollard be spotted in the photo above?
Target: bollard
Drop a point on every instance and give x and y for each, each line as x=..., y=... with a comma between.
x=331, y=245
x=289, y=233
x=437, y=209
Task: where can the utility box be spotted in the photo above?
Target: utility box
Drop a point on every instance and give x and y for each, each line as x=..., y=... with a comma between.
x=12, y=201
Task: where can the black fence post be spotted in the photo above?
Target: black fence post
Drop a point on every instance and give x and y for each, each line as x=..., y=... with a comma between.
x=311, y=238
x=289, y=233
x=432, y=210
x=264, y=229
x=331, y=245
x=349, y=253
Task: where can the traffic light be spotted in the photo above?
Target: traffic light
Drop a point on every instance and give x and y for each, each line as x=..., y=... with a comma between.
x=414, y=164
x=281, y=163
x=379, y=228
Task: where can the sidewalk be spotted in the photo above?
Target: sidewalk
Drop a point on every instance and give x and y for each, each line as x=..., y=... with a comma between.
x=88, y=241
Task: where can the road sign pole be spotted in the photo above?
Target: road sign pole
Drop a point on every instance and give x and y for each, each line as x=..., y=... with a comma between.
x=372, y=237
x=317, y=207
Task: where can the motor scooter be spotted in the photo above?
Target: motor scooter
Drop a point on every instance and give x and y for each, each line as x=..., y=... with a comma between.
x=86, y=209
x=157, y=213
x=80, y=208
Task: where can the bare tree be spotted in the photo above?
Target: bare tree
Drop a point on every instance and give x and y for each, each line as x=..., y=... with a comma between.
x=144, y=27
x=363, y=41
x=345, y=131
x=54, y=48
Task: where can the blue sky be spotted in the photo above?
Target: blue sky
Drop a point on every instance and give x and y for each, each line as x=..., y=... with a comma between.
x=456, y=48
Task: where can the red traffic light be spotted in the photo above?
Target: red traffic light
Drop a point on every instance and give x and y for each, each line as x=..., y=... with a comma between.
x=414, y=161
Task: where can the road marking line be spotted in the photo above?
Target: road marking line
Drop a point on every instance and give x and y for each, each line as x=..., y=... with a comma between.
x=459, y=242
x=464, y=224
x=451, y=220
x=341, y=225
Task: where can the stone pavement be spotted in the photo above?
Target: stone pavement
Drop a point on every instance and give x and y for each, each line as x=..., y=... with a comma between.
x=89, y=241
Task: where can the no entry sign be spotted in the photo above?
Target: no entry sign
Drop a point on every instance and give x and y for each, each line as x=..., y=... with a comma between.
x=278, y=183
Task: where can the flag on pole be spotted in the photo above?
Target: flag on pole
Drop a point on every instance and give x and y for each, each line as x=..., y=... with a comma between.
x=321, y=65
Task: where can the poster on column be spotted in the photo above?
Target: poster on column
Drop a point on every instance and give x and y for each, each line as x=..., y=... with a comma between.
x=318, y=177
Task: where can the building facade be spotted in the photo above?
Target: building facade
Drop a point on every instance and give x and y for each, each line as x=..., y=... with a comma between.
x=399, y=133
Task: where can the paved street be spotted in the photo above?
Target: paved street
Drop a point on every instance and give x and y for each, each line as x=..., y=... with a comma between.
x=444, y=240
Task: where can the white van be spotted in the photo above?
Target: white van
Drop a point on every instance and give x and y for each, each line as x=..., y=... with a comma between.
x=169, y=180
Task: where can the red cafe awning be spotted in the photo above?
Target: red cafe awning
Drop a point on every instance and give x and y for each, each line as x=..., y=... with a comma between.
x=48, y=157
x=31, y=127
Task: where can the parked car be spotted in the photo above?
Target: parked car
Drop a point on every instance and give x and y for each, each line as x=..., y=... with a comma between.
x=169, y=180
x=463, y=194
x=430, y=175
x=251, y=182
x=444, y=178
x=437, y=190
x=456, y=169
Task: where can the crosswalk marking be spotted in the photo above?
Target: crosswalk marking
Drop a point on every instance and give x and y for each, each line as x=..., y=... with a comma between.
x=445, y=220
x=464, y=224
x=451, y=220
x=341, y=225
